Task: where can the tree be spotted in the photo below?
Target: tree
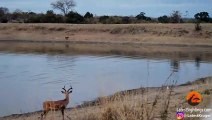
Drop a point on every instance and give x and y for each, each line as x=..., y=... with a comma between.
x=17, y=15
x=176, y=17
x=64, y=5
x=50, y=17
x=74, y=17
x=163, y=19
x=4, y=10
x=202, y=16
x=88, y=18
x=88, y=15
x=141, y=16
x=4, y=14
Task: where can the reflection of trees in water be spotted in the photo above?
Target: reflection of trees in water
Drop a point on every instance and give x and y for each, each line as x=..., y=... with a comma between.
x=197, y=61
x=175, y=65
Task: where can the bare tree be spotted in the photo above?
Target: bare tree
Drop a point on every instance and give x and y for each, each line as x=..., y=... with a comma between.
x=64, y=5
x=176, y=17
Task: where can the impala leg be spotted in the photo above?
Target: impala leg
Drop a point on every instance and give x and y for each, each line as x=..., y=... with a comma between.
x=43, y=115
x=62, y=110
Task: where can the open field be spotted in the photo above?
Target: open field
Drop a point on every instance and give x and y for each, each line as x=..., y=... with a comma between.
x=138, y=104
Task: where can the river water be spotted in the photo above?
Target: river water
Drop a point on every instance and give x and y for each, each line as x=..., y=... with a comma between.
x=26, y=80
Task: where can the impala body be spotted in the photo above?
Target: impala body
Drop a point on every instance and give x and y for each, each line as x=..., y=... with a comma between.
x=57, y=105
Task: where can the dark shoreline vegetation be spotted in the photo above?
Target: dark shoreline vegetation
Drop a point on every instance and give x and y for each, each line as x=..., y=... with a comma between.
x=19, y=16
x=150, y=99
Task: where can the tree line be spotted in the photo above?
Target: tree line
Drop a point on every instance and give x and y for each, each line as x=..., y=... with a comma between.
x=70, y=16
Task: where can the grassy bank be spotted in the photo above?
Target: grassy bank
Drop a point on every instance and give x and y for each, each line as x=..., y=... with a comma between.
x=138, y=104
x=145, y=33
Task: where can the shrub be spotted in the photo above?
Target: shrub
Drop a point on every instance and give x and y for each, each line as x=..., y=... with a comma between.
x=88, y=15
x=74, y=17
x=163, y=19
x=202, y=16
x=103, y=19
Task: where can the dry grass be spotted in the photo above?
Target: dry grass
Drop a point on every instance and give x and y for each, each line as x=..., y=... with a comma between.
x=134, y=105
x=145, y=33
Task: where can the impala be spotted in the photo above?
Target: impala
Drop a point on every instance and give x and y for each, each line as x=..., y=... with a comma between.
x=66, y=37
x=57, y=105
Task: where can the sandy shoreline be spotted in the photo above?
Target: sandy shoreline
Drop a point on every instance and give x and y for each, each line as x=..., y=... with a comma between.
x=177, y=100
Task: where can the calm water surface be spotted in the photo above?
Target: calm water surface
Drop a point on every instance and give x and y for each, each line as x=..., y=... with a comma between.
x=26, y=80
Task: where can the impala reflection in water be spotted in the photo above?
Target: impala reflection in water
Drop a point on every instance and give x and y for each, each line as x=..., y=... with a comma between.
x=27, y=80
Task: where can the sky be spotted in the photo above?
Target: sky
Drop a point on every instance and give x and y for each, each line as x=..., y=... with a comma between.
x=152, y=8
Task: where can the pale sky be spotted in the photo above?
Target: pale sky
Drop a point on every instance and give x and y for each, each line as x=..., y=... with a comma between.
x=152, y=8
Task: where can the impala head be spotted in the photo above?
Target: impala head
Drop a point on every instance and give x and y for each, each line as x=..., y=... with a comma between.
x=66, y=92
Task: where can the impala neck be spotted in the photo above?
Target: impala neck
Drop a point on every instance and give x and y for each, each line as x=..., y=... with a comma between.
x=67, y=97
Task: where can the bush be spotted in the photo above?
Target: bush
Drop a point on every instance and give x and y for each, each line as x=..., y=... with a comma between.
x=103, y=19
x=88, y=15
x=202, y=16
x=3, y=19
x=4, y=14
x=163, y=19
x=74, y=17
x=126, y=20
x=142, y=17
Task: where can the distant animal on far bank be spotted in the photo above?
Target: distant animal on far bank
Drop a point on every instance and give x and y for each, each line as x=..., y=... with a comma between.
x=66, y=37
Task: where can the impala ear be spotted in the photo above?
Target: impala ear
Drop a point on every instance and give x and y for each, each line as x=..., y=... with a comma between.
x=62, y=91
